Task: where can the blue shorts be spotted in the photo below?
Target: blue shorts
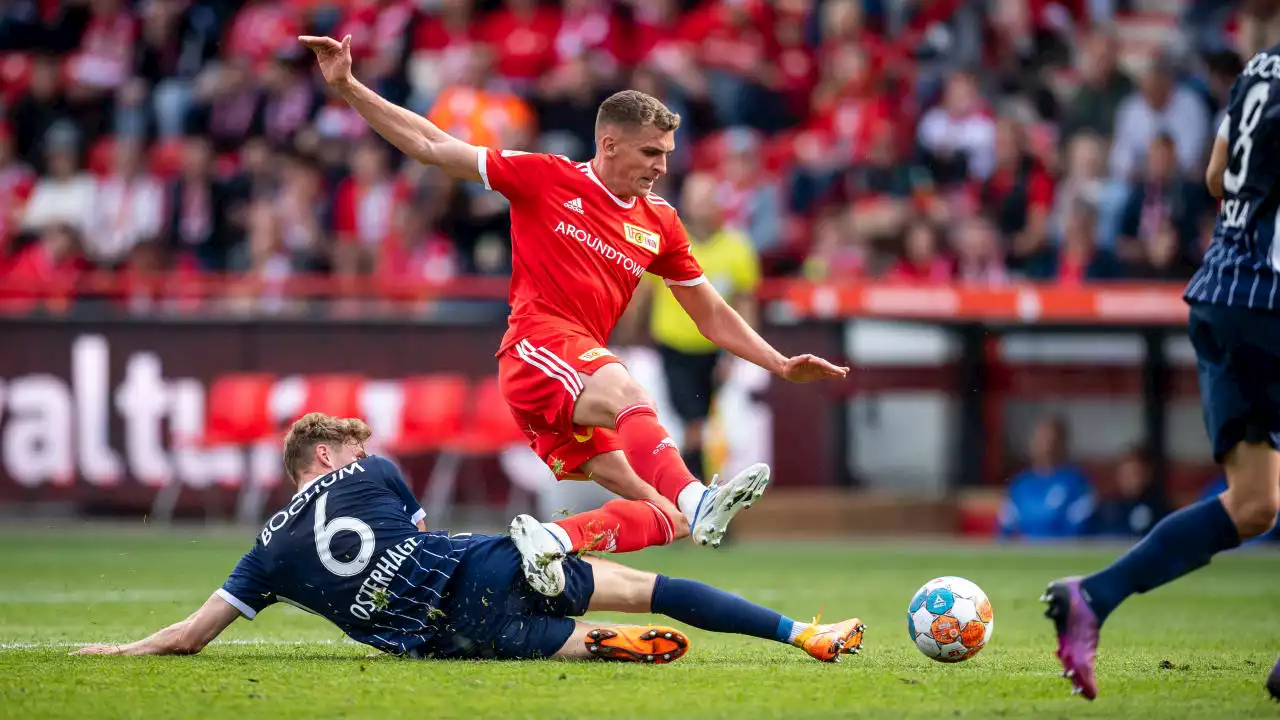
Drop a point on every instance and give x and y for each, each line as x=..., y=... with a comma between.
x=1238, y=359
x=491, y=612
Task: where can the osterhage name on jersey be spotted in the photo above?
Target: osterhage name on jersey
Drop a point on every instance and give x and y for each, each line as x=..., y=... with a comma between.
x=1242, y=265
x=347, y=548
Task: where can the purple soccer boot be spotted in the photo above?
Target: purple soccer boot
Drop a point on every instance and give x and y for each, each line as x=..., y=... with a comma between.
x=1077, y=628
x=1273, y=682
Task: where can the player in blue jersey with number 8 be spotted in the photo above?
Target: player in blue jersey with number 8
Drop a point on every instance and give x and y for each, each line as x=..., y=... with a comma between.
x=351, y=547
x=1235, y=330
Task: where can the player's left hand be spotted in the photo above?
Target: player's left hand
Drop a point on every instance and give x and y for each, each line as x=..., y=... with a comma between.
x=100, y=650
x=807, y=368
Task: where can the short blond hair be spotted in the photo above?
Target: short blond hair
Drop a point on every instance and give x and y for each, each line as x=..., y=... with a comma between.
x=314, y=429
x=634, y=109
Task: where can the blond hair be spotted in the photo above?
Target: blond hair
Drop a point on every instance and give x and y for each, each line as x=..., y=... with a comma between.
x=314, y=429
x=634, y=109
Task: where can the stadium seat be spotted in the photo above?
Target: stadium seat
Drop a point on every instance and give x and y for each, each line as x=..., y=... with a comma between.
x=433, y=412
x=336, y=395
x=239, y=410
x=489, y=430
x=237, y=415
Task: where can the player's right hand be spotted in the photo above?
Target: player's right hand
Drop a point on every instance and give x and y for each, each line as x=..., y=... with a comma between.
x=333, y=57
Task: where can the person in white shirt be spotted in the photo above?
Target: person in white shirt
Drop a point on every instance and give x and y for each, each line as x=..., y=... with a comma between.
x=65, y=194
x=128, y=207
x=1160, y=106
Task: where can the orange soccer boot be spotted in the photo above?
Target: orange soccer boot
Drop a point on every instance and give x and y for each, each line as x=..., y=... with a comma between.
x=657, y=645
x=828, y=642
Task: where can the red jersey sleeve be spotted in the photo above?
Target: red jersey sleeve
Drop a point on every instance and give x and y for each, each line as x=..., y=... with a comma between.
x=518, y=174
x=676, y=263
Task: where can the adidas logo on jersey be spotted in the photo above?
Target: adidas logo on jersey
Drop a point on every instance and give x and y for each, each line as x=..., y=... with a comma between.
x=575, y=205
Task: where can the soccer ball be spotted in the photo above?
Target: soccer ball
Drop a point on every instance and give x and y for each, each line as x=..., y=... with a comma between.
x=950, y=619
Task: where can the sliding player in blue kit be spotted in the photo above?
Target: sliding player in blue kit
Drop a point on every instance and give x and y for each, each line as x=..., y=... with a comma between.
x=351, y=547
x=1235, y=330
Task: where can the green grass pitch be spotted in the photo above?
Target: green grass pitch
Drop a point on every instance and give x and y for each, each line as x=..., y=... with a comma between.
x=1200, y=648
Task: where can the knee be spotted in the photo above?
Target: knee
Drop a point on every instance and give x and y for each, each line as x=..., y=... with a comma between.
x=606, y=396
x=1253, y=514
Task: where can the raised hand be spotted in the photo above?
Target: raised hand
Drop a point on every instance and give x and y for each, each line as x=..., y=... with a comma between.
x=333, y=57
x=807, y=368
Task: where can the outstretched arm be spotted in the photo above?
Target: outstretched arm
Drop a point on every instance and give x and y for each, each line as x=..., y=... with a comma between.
x=722, y=325
x=411, y=133
x=186, y=637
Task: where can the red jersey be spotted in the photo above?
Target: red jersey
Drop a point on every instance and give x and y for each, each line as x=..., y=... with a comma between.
x=577, y=250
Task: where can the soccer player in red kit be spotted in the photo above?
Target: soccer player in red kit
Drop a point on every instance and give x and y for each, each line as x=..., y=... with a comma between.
x=583, y=235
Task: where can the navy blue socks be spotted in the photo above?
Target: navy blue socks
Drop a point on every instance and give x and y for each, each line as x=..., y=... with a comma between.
x=1182, y=542
x=708, y=608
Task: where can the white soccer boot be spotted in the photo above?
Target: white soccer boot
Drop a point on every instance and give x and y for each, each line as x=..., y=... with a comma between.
x=541, y=556
x=723, y=500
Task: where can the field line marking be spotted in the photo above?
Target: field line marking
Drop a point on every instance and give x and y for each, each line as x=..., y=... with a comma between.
x=265, y=642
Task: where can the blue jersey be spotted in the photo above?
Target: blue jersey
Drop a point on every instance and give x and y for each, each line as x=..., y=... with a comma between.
x=347, y=548
x=1242, y=266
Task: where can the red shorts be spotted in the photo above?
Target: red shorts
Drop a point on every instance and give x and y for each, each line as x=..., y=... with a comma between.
x=539, y=377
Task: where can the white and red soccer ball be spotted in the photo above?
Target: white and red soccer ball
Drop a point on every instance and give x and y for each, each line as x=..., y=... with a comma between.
x=950, y=619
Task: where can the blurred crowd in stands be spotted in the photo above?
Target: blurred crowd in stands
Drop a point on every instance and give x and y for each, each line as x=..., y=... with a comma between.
x=979, y=141
x=1053, y=498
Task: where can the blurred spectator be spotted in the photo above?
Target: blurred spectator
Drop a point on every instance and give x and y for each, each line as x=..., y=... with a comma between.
x=1160, y=106
x=17, y=180
x=937, y=36
x=474, y=113
x=980, y=260
x=689, y=360
x=49, y=264
x=1086, y=180
x=1135, y=507
x=42, y=107
x=1077, y=259
x=1161, y=194
x=884, y=189
x=522, y=36
x=196, y=229
x=1018, y=194
x=1166, y=256
x=260, y=30
x=839, y=251
x=175, y=45
x=587, y=28
x=567, y=107
x=63, y=196
x=441, y=51
x=750, y=200
x=958, y=136
x=1023, y=42
x=735, y=48
x=226, y=107
x=289, y=102
x=1104, y=86
x=1052, y=498
x=365, y=206
x=128, y=207
x=101, y=64
x=303, y=215
x=922, y=259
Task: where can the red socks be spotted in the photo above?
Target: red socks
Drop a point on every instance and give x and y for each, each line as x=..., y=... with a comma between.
x=620, y=526
x=652, y=452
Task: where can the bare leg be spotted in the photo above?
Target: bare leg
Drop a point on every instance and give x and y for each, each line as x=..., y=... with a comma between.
x=612, y=472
